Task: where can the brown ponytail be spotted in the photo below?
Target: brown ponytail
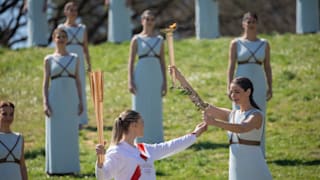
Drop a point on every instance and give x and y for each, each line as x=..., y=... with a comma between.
x=121, y=125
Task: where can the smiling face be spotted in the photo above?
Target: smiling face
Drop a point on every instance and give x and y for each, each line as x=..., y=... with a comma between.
x=238, y=95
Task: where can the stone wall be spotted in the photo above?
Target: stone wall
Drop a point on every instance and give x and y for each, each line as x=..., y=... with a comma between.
x=275, y=16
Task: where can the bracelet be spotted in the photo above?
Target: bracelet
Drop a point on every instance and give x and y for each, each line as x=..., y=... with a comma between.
x=194, y=133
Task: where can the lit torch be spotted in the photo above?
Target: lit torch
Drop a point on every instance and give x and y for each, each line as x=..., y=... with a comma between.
x=169, y=37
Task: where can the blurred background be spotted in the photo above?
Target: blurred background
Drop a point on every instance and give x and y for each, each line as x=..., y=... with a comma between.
x=274, y=16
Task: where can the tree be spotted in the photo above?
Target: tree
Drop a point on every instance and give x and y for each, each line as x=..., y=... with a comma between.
x=11, y=19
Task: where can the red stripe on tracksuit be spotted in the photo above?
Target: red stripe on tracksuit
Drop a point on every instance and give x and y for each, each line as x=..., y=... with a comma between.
x=142, y=149
x=137, y=173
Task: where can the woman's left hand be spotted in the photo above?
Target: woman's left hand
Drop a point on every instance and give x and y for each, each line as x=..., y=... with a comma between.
x=200, y=128
x=164, y=89
x=208, y=117
x=80, y=108
x=89, y=68
x=269, y=94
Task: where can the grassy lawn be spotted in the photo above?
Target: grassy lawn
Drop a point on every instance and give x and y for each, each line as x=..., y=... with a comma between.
x=293, y=116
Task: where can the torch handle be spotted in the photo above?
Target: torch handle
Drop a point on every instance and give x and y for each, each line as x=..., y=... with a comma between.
x=169, y=36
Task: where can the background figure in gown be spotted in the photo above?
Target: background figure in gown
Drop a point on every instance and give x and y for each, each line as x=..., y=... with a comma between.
x=13, y=164
x=62, y=106
x=78, y=43
x=252, y=55
x=119, y=20
x=245, y=128
x=147, y=81
x=37, y=27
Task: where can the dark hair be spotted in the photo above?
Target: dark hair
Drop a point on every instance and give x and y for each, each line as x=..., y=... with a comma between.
x=246, y=84
x=249, y=15
x=146, y=13
x=122, y=123
x=69, y=4
x=57, y=30
x=6, y=104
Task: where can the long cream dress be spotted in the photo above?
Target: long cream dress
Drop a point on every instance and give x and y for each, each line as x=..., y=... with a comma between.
x=62, y=143
x=148, y=79
x=250, y=58
x=75, y=45
x=246, y=162
x=10, y=154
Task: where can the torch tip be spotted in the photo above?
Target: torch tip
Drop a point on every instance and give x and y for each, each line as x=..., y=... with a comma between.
x=173, y=26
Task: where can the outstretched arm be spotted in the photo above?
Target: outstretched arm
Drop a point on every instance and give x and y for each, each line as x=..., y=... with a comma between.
x=169, y=148
x=253, y=121
x=211, y=111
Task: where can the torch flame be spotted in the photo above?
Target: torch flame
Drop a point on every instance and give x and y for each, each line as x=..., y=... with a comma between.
x=173, y=26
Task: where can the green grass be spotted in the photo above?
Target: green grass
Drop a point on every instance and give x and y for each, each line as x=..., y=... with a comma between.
x=293, y=126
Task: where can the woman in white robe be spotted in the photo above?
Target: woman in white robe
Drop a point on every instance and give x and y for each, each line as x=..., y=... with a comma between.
x=78, y=44
x=12, y=162
x=249, y=56
x=245, y=127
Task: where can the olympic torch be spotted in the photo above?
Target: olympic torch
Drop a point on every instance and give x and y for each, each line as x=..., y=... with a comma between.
x=96, y=86
x=169, y=36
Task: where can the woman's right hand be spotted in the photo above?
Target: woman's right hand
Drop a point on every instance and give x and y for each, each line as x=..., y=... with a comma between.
x=100, y=149
x=200, y=128
x=208, y=116
x=132, y=88
x=47, y=110
x=173, y=70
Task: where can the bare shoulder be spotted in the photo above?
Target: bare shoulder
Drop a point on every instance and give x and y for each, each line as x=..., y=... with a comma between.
x=134, y=38
x=233, y=42
x=47, y=58
x=257, y=115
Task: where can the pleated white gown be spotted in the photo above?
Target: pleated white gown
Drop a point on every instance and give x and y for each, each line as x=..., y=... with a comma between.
x=148, y=80
x=62, y=144
x=246, y=162
x=10, y=169
x=254, y=72
x=75, y=40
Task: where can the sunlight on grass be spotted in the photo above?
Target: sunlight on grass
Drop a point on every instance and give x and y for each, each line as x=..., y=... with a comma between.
x=293, y=126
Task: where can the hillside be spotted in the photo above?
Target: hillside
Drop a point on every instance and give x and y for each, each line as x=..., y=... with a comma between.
x=293, y=126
